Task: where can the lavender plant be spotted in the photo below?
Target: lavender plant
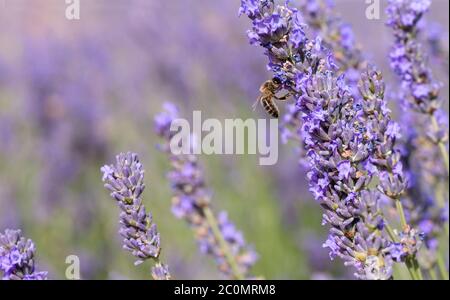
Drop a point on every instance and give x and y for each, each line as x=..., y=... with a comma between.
x=437, y=45
x=349, y=141
x=17, y=260
x=336, y=34
x=381, y=189
x=339, y=181
x=215, y=233
x=424, y=199
x=125, y=181
x=409, y=61
x=383, y=133
x=319, y=17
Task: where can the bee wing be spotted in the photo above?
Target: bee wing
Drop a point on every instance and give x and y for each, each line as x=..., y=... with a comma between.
x=256, y=103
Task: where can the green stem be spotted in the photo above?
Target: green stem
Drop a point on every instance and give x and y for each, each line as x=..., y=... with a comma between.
x=410, y=266
x=441, y=144
x=222, y=243
x=411, y=262
x=442, y=202
x=417, y=268
x=390, y=231
x=442, y=267
x=432, y=273
x=394, y=238
x=401, y=213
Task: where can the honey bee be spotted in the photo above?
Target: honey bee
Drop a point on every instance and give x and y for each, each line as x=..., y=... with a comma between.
x=350, y=229
x=268, y=92
x=350, y=234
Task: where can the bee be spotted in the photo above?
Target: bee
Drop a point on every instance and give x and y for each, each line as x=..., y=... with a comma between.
x=350, y=229
x=268, y=92
x=350, y=234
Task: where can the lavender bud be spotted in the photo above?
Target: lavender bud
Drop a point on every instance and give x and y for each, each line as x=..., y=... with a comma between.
x=17, y=257
x=191, y=202
x=125, y=181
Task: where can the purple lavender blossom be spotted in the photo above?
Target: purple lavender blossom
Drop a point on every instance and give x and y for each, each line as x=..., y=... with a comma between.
x=438, y=44
x=17, y=257
x=336, y=35
x=409, y=62
x=337, y=152
x=160, y=272
x=427, y=135
x=348, y=141
x=125, y=181
x=382, y=134
x=408, y=245
x=426, y=212
x=215, y=234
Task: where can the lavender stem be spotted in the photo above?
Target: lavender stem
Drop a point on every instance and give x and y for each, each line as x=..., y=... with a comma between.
x=401, y=213
x=411, y=262
x=432, y=273
x=215, y=234
x=442, y=267
x=411, y=265
x=417, y=268
x=394, y=238
x=390, y=231
x=411, y=269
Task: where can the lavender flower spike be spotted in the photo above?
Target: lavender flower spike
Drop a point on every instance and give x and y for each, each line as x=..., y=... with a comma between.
x=338, y=36
x=408, y=60
x=345, y=137
x=382, y=133
x=215, y=233
x=337, y=151
x=17, y=257
x=386, y=163
x=125, y=181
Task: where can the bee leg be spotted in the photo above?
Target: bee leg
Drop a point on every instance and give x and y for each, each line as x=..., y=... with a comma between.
x=283, y=98
x=255, y=104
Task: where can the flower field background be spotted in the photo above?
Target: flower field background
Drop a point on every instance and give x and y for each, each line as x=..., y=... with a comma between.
x=73, y=94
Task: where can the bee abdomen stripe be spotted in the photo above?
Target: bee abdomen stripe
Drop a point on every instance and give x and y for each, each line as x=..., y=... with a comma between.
x=270, y=107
